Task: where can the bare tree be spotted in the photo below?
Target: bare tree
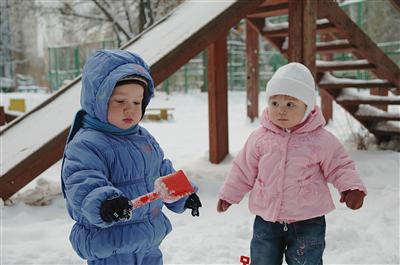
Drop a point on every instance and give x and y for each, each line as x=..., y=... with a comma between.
x=126, y=17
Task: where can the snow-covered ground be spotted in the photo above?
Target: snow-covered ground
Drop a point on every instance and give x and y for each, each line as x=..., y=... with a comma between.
x=39, y=234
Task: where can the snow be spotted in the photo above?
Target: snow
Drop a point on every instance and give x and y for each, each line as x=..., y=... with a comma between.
x=272, y=26
x=369, y=110
x=39, y=235
x=354, y=93
x=340, y=63
x=333, y=42
x=331, y=79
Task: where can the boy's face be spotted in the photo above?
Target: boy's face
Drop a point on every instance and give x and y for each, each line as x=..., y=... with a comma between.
x=125, y=106
x=285, y=111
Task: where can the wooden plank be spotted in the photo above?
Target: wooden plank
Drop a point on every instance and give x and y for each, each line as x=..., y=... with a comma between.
x=309, y=14
x=379, y=92
x=331, y=48
x=252, y=52
x=295, y=53
x=302, y=32
x=321, y=28
x=279, y=9
x=345, y=66
x=273, y=2
x=396, y=4
x=201, y=39
x=355, y=85
x=23, y=173
x=370, y=101
x=326, y=98
x=377, y=118
x=385, y=67
x=218, y=99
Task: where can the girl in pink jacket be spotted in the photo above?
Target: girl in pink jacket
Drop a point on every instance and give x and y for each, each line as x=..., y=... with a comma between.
x=286, y=165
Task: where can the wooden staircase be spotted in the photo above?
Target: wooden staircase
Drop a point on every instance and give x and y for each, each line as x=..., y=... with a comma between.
x=339, y=34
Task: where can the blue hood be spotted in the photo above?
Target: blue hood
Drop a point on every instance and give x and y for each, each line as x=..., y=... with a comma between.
x=100, y=74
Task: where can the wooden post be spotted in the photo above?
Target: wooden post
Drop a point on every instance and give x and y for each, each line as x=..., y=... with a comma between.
x=2, y=116
x=295, y=50
x=218, y=99
x=252, y=70
x=380, y=92
x=302, y=32
x=326, y=100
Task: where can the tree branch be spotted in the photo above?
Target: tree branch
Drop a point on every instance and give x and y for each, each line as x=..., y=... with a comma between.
x=128, y=17
x=111, y=18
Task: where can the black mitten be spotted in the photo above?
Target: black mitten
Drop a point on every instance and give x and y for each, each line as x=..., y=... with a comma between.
x=193, y=202
x=116, y=209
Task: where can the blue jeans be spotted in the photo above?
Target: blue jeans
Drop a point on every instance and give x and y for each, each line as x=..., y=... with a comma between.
x=302, y=243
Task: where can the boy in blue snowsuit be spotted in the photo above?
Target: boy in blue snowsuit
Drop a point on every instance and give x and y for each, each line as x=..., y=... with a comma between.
x=110, y=159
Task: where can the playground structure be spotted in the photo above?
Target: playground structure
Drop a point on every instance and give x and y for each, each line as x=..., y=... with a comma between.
x=66, y=61
x=27, y=157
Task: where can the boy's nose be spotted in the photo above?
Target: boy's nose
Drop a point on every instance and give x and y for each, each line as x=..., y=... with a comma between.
x=129, y=107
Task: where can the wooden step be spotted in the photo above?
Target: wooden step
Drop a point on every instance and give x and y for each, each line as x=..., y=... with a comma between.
x=282, y=29
x=330, y=66
x=273, y=10
x=338, y=46
x=351, y=96
x=370, y=113
x=388, y=117
x=386, y=130
x=329, y=81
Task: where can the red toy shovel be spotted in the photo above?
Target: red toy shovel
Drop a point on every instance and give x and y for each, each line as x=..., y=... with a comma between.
x=169, y=188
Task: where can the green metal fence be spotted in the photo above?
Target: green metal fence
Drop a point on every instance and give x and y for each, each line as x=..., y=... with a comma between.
x=66, y=62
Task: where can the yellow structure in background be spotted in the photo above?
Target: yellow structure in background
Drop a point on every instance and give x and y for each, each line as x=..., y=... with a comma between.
x=157, y=114
x=17, y=104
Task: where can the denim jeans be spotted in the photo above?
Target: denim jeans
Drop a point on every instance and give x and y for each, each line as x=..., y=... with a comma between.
x=302, y=243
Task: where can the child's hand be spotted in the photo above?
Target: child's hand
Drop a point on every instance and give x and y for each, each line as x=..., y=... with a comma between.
x=354, y=198
x=193, y=202
x=116, y=209
x=222, y=206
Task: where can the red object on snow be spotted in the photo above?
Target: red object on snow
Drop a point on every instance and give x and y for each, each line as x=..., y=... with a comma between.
x=169, y=188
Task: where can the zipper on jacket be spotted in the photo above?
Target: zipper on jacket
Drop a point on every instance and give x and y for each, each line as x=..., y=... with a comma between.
x=285, y=228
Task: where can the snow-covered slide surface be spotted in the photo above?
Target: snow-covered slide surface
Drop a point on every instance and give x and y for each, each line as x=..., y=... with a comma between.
x=25, y=137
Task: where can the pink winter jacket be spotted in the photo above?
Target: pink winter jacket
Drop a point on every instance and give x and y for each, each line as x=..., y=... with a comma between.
x=287, y=173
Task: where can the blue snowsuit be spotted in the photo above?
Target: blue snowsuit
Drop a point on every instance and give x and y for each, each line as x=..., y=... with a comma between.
x=99, y=165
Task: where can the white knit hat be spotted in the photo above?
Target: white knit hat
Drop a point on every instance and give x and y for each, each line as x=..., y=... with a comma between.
x=295, y=80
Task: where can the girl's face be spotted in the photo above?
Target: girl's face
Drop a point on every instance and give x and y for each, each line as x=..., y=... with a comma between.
x=125, y=106
x=286, y=111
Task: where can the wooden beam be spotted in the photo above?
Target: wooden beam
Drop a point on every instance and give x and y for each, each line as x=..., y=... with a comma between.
x=326, y=98
x=295, y=49
x=302, y=32
x=361, y=84
x=2, y=116
x=379, y=92
x=23, y=173
x=385, y=67
x=344, y=66
x=310, y=34
x=270, y=11
x=396, y=4
x=371, y=101
x=323, y=27
x=218, y=99
x=201, y=39
x=252, y=52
